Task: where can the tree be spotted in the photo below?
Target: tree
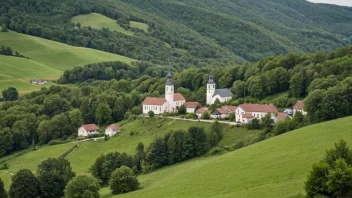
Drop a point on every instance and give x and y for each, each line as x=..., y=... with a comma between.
x=297, y=85
x=182, y=110
x=83, y=186
x=298, y=117
x=54, y=175
x=10, y=94
x=151, y=114
x=266, y=121
x=103, y=113
x=123, y=180
x=139, y=156
x=3, y=193
x=6, y=141
x=254, y=124
x=157, y=154
x=54, y=105
x=4, y=28
x=216, y=134
x=199, y=140
x=25, y=185
x=205, y=115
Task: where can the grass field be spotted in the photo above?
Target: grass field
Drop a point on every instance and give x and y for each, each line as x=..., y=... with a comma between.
x=145, y=131
x=139, y=25
x=48, y=60
x=273, y=168
x=98, y=21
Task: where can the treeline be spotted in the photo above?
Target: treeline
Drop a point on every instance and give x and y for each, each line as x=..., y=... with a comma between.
x=174, y=147
x=7, y=51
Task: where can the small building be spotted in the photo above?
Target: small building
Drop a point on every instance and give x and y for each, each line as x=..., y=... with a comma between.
x=299, y=106
x=288, y=112
x=192, y=106
x=247, y=118
x=39, y=82
x=280, y=116
x=230, y=109
x=200, y=111
x=258, y=111
x=89, y=129
x=213, y=94
x=112, y=129
x=219, y=113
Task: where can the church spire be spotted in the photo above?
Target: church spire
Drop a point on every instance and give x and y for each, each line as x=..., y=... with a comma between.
x=169, y=79
x=211, y=79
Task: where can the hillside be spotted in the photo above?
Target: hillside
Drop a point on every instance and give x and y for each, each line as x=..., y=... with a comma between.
x=47, y=60
x=145, y=131
x=276, y=167
x=217, y=32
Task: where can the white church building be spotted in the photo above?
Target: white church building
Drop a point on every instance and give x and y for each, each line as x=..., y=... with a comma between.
x=164, y=105
x=223, y=95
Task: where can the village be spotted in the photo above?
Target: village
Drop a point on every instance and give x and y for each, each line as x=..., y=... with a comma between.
x=172, y=102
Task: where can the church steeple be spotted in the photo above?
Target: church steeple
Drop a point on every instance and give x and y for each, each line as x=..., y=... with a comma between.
x=169, y=79
x=210, y=89
x=211, y=79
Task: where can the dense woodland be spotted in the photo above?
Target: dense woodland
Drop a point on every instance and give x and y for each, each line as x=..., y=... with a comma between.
x=183, y=34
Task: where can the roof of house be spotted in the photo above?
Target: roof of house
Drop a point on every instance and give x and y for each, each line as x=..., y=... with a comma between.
x=220, y=110
x=281, y=116
x=154, y=101
x=113, y=127
x=192, y=105
x=178, y=97
x=247, y=115
x=202, y=110
x=299, y=105
x=229, y=108
x=223, y=93
x=259, y=108
x=90, y=127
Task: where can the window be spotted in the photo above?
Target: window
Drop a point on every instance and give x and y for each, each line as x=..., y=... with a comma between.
x=213, y=86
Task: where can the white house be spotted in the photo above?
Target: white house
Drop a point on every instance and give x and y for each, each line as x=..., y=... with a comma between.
x=223, y=112
x=112, y=129
x=192, y=106
x=163, y=105
x=39, y=82
x=200, y=111
x=223, y=95
x=299, y=106
x=246, y=112
x=89, y=129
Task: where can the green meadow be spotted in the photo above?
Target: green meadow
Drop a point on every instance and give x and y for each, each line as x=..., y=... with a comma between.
x=144, y=130
x=276, y=167
x=47, y=60
x=139, y=25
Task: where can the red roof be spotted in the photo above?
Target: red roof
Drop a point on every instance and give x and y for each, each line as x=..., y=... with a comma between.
x=259, y=108
x=192, y=105
x=281, y=116
x=247, y=115
x=202, y=110
x=230, y=108
x=114, y=127
x=221, y=110
x=178, y=97
x=154, y=101
x=90, y=127
x=299, y=105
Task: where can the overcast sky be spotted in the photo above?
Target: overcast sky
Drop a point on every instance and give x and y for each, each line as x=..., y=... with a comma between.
x=337, y=2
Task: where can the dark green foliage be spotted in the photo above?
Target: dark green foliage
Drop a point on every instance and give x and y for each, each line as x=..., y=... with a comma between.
x=285, y=126
x=54, y=174
x=105, y=165
x=10, y=94
x=3, y=193
x=182, y=110
x=6, y=141
x=4, y=28
x=216, y=134
x=123, y=180
x=7, y=51
x=139, y=157
x=332, y=177
x=254, y=124
x=199, y=140
x=157, y=153
x=25, y=185
x=205, y=115
x=83, y=186
x=103, y=114
x=179, y=146
x=151, y=114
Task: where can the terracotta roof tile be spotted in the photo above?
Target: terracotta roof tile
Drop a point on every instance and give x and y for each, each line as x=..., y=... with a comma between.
x=113, y=127
x=178, y=97
x=247, y=115
x=221, y=110
x=192, y=104
x=202, y=110
x=154, y=101
x=229, y=108
x=90, y=127
x=281, y=116
x=259, y=108
x=299, y=105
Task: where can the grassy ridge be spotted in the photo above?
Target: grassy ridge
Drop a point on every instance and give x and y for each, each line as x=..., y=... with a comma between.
x=276, y=167
x=48, y=60
x=145, y=131
x=98, y=21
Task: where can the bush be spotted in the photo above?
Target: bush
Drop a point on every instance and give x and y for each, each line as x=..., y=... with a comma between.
x=4, y=166
x=205, y=115
x=123, y=180
x=239, y=144
x=151, y=114
x=95, y=135
x=84, y=185
x=191, y=116
x=254, y=124
x=132, y=133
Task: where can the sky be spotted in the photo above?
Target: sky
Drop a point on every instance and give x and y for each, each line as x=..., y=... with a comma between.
x=337, y=2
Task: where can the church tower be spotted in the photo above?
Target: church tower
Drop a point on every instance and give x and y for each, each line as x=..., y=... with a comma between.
x=169, y=93
x=210, y=88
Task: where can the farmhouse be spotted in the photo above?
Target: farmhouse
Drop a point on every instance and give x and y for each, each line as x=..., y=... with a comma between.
x=200, y=111
x=89, y=129
x=223, y=112
x=192, y=106
x=299, y=106
x=246, y=112
x=223, y=95
x=39, y=82
x=164, y=105
x=112, y=129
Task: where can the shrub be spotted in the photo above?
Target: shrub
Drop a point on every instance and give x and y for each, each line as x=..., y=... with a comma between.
x=191, y=116
x=151, y=114
x=95, y=135
x=205, y=115
x=82, y=186
x=254, y=124
x=239, y=144
x=123, y=180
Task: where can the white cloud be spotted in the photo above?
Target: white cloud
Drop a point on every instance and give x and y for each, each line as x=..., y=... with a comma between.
x=337, y=2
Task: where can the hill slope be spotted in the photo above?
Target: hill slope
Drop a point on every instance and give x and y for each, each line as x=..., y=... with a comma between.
x=48, y=60
x=276, y=167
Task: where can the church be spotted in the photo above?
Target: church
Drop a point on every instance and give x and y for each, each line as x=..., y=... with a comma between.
x=168, y=104
x=223, y=95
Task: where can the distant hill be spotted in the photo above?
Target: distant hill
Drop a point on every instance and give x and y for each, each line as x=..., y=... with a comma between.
x=277, y=167
x=200, y=33
x=47, y=60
